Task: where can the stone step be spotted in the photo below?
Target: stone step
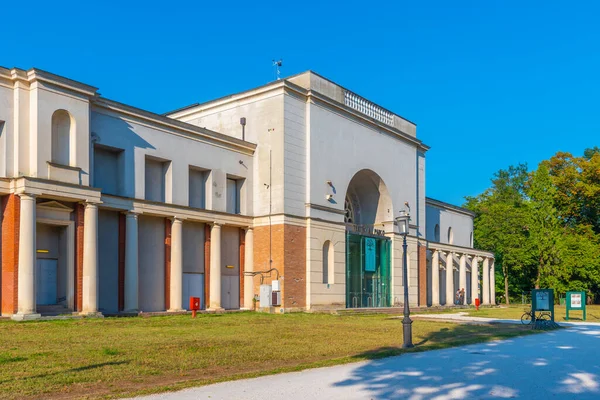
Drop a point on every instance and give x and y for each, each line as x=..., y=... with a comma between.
x=54, y=309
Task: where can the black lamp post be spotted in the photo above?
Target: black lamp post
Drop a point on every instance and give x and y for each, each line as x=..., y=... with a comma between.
x=402, y=222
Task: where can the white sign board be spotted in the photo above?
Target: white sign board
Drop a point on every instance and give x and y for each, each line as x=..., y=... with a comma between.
x=575, y=300
x=542, y=301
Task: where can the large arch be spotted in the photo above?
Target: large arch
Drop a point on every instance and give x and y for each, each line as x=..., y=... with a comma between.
x=368, y=208
x=367, y=200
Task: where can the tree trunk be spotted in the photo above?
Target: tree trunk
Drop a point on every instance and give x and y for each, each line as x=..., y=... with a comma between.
x=539, y=274
x=506, y=289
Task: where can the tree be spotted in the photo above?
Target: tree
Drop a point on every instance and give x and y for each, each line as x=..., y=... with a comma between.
x=501, y=223
x=544, y=224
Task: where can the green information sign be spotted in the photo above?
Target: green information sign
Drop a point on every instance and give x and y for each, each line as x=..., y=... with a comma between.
x=542, y=300
x=576, y=302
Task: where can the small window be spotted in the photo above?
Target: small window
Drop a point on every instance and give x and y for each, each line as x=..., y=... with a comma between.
x=198, y=179
x=156, y=179
x=235, y=191
x=63, y=128
x=436, y=233
x=328, y=266
x=450, y=236
x=108, y=169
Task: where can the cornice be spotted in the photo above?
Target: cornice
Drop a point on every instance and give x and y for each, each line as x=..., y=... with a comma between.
x=176, y=126
x=448, y=206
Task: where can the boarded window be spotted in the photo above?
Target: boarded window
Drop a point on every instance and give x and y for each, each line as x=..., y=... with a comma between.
x=108, y=172
x=198, y=179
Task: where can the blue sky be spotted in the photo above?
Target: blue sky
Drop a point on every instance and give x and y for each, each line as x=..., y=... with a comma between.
x=488, y=83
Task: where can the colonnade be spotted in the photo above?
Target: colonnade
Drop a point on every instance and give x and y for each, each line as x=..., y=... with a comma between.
x=488, y=291
x=26, y=298
x=176, y=277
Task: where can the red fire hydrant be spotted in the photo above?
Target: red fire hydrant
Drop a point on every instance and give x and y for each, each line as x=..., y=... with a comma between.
x=477, y=304
x=194, y=305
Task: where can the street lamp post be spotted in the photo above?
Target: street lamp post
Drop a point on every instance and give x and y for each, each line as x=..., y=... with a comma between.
x=402, y=222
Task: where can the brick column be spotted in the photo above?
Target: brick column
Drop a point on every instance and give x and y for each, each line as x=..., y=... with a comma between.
x=10, y=252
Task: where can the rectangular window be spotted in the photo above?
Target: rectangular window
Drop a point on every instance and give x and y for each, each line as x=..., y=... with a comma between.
x=198, y=179
x=108, y=169
x=156, y=179
x=234, y=195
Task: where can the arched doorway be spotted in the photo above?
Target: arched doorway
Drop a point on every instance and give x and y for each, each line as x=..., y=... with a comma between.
x=367, y=208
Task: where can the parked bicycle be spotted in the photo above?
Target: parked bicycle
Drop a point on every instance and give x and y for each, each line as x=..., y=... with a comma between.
x=541, y=316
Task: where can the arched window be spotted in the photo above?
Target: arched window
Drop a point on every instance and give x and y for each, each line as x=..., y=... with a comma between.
x=62, y=128
x=450, y=236
x=436, y=233
x=328, y=268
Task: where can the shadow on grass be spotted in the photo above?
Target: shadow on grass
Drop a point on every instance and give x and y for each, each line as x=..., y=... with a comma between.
x=71, y=370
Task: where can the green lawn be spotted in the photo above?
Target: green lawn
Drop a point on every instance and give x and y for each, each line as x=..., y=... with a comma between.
x=515, y=312
x=114, y=357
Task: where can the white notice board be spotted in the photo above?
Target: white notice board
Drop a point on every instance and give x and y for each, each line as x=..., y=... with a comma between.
x=575, y=300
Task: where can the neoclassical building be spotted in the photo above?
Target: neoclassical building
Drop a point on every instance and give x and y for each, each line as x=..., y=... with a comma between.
x=293, y=187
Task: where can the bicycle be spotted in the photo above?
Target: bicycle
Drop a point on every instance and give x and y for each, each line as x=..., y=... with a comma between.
x=528, y=316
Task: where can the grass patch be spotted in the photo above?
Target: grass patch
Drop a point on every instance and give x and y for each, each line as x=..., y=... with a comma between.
x=116, y=357
x=515, y=312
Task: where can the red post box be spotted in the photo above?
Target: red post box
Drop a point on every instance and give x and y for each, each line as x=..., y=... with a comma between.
x=477, y=304
x=194, y=305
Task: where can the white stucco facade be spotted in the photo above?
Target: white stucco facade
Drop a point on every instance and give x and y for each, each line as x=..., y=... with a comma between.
x=157, y=208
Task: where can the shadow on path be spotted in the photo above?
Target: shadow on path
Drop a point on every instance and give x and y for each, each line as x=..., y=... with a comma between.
x=563, y=364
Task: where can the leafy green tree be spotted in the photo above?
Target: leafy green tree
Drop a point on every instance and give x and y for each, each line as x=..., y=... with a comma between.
x=501, y=225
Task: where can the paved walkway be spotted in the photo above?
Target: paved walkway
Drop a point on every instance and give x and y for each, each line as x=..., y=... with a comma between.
x=562, y=364
x=465, y=317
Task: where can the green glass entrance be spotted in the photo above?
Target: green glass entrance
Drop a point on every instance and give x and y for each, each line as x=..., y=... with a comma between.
x=367, y=271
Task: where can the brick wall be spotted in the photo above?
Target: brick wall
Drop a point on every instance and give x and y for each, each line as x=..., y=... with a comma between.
x=79, y=218
x=288, y=249
x=294, y=284
x=422, y=275
x=10, y=214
